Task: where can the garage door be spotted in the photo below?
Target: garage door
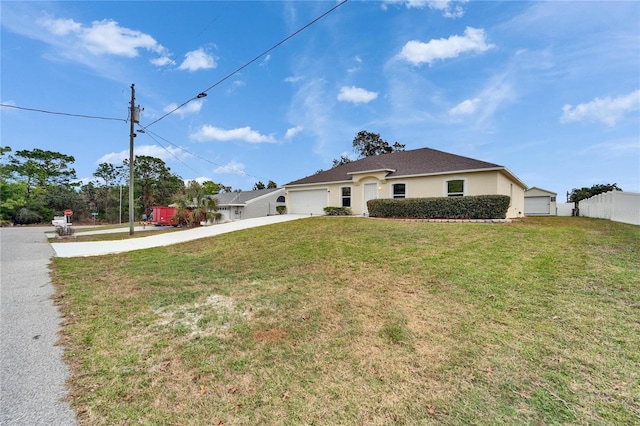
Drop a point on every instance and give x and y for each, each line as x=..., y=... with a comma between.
x=308, y=201
x=536, y=205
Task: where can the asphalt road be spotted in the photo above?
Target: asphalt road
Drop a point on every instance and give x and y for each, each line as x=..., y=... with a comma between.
x=32, y=373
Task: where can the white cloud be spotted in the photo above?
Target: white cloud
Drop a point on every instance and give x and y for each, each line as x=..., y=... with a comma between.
x=104, y=37
x=293, y=79
x=497, y=93
x=449, y=8
x=200, y=180
x=197, y=60
x=234, y=86
x=293, y=131
x=163, y=61
x=607, y=111
x=246, y=134
x=9, y=102
x=356, y=95
x=311, y=106
x=164, y=154
x=192, y=107
x=466, y=107
x=418, y=52
x=232, y=167
x=60, y=27
x=358, y=66
x=627, y=147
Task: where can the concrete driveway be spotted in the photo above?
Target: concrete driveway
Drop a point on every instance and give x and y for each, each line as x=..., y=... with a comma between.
x=96, y=248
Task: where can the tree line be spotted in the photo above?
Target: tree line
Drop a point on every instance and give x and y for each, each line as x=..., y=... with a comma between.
x=36, y=185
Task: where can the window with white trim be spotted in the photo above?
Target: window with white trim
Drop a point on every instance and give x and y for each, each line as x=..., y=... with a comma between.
x=455, y=188
x=399, y=190
x=345, y=193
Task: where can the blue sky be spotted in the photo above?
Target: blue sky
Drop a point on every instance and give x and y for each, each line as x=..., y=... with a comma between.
x=551, y=90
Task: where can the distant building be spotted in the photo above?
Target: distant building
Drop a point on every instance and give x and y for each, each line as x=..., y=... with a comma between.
x=539, y=202
x=249, y=204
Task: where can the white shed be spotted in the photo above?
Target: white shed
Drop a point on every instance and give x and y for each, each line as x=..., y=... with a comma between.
x=539, y=202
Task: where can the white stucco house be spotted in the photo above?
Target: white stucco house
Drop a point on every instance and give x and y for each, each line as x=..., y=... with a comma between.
x=249, y=204
x=539, y=202
x=415, y=173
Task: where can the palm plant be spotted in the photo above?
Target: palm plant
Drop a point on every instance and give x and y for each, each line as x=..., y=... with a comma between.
x=196, y=206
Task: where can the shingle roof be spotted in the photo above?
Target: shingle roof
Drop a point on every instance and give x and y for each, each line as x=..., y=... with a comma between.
x=424, y=161
x=242, y=197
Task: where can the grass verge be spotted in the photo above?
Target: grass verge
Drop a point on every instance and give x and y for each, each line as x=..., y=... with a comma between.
x=116, y=236
x=355, y=321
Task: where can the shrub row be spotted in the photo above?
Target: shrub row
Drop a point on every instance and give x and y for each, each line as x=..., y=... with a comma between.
x=471, y=207
x=337, y=211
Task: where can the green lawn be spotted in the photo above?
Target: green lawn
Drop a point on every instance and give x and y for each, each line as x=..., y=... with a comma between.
x=361, y=322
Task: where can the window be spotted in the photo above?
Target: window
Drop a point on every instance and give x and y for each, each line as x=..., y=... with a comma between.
x=553, y=199
x=346, y=196
x=399, y=190
x=455, y=188
x=280, y=199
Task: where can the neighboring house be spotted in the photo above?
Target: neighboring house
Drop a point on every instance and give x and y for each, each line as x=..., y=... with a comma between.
x=249, y=204
x=539, y=202
x=412, y=174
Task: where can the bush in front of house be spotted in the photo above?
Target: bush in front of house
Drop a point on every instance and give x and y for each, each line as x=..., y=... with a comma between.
x=281, y=209
x=470, y=207
x=337, y=211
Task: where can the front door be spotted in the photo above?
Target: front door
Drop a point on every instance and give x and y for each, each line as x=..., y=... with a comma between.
x=370, y=193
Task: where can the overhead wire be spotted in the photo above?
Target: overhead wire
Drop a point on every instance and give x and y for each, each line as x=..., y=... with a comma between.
x=171, y=153
x=149, y=132
x=199, y=96
x=204, y=92
x=64, y=113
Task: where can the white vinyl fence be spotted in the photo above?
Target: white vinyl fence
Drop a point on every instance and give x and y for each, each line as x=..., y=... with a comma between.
x=565, y=209
x=614, y=205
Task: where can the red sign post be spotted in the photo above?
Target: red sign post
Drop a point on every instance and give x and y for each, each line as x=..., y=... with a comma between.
x=68, y=212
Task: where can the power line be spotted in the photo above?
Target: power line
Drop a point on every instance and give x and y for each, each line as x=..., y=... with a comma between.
x=63, y=113
x=204, y=92
x=168, y=151
x=149, y=133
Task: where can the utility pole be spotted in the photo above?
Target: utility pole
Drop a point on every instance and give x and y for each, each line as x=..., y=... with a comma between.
x=135, y=118
x=120, y=216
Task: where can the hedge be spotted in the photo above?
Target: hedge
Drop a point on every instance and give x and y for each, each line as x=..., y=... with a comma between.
x=337, y=211
x=471, y=207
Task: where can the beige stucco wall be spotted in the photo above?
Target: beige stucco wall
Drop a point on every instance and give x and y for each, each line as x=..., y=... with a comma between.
x=537, y=192
x=507, y=186
x=477, y=183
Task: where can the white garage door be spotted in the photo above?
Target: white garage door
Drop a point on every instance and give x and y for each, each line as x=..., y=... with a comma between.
x=308, y=201
x=536, y=205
